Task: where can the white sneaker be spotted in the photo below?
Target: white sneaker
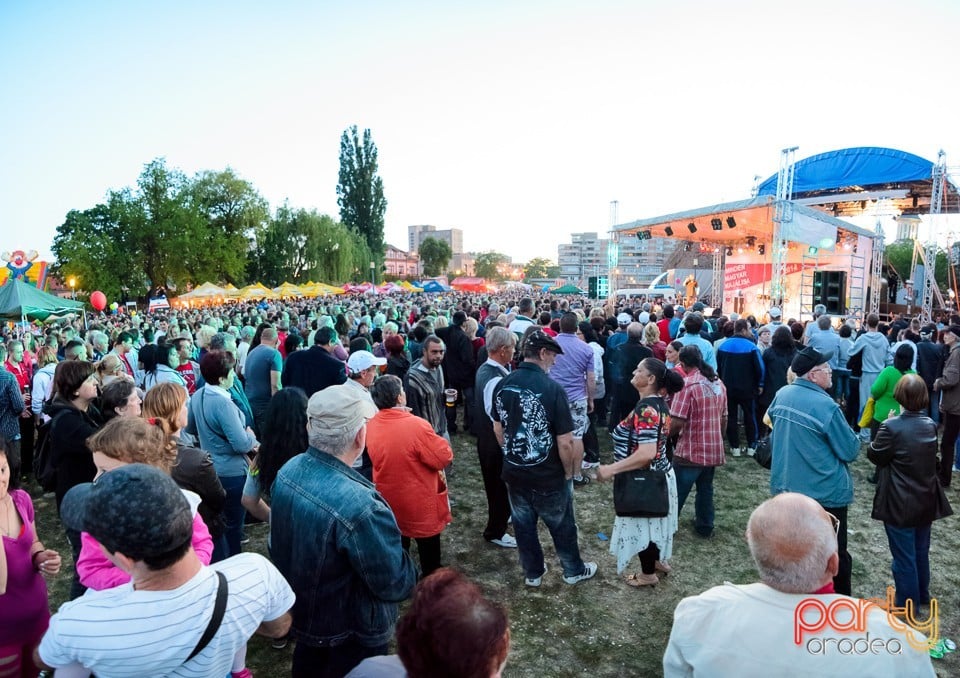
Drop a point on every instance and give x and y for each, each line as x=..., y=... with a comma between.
x=506, y=541
x=589, y=569
x=751, y=451
x=735, y=451
x=535, y=582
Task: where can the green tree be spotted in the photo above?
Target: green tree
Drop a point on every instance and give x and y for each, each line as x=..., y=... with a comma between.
x=300, y=245
x=166, y=233
x=93, y=246
x=540, y=268
x=233, y=211
x=435, y=255
x=899, y=257
x=489, y=265
x=360, y=190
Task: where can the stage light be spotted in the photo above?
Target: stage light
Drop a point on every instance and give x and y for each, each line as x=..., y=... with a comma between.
x=761, y=249
x=812, y=251
x=751, y=241
x=692, y=227
x=716, y=224
x=686, y=247
x=731, y=222
x=643, y=235
x=668, y=231
x=740, y=250
x=729, y=250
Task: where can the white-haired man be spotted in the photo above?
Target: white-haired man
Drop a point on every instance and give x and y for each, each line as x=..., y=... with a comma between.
x=790, y=623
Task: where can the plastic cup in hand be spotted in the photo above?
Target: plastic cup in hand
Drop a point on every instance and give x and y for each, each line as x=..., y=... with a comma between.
x=451, y=394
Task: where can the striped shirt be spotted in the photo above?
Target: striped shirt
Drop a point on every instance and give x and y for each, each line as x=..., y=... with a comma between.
x=124, y=632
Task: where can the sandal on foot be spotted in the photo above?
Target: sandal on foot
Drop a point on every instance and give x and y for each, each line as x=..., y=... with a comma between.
x=640, y=579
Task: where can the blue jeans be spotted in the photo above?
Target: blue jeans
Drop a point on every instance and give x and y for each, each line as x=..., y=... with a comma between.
x=933, y=409
x=702, y=476
x=910, y=547
x=555, y=508
x=233, y=514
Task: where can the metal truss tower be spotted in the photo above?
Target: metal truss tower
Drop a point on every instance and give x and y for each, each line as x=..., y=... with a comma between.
x=876, y=268
x=930, y=253
x=783, y=213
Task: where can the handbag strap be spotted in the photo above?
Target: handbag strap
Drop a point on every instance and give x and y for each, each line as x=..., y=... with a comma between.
x=219, y=608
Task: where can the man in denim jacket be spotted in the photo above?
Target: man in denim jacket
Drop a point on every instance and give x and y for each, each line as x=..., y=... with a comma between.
x=336, y=541
x=812, y=447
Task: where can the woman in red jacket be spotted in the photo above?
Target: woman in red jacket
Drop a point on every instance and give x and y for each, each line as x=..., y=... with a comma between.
x=408, y=461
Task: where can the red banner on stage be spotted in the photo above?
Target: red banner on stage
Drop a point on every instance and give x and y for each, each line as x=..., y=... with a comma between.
x=741, y=276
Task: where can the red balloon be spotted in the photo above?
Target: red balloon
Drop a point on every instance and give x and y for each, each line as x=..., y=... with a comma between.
x=98, y=300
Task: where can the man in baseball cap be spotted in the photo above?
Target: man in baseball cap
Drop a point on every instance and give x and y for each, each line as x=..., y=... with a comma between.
x=532, y=421
x=329, y=524
x=624, y=319
x=144, y=523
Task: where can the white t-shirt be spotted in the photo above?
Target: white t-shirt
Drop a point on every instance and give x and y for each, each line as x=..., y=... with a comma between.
x=124, y=632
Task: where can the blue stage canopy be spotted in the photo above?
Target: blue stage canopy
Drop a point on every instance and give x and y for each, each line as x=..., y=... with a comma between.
x=853, y=167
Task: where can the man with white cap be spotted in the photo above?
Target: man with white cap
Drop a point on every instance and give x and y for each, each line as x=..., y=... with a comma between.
x=775, y=320
x=336, y=541
x=362, y=369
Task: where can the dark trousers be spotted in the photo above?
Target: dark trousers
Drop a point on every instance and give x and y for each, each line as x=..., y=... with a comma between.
x=852, y=409
x=555, y=508
x=491, y=466
x=14, y=457
x=429, y=550
x=591, y=444
x=702, y=477
x=749, y=420
x=331, y=662
x=465, y=398
x=910, y=548
x=233, y=513
x=28, y=431
x=76, y=588
x=841, y=583
x=951, y=428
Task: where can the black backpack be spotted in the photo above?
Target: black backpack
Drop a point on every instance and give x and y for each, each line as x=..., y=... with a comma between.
x=43, y=468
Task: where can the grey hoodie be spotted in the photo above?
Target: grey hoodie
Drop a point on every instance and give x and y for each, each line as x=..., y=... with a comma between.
x=874, y=346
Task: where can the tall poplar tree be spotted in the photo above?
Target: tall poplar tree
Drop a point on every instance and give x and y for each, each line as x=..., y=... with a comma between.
x=360, y=191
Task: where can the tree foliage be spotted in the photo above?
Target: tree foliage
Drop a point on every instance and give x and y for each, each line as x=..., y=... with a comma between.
x=489, y=265
x=300, y=245
x=540, y=268
x=169, y=231
x=360, y=190
x=435, y=255
x=899, y=256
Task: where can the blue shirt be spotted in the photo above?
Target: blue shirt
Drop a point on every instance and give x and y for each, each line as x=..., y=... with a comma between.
x=812, y=445
x=706, y=348
x=260, y=362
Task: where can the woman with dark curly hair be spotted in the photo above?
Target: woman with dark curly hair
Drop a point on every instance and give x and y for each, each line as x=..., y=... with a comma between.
x=284, y=434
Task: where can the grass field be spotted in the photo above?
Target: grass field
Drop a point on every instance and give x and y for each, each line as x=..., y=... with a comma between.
x=602, y=627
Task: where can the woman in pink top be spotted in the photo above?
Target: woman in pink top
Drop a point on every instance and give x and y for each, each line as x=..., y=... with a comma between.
x=24, y=611
x=131, y=440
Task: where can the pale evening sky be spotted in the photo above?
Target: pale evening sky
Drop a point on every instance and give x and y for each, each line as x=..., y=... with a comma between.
x=516, y=121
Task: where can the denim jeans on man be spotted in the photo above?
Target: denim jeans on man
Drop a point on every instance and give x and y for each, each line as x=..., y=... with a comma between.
x=910, y=547
x=555, y=508
x=702, y=477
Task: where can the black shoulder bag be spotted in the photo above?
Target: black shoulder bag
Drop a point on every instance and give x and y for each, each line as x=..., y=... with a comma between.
x=641, y=493
x=219, y=608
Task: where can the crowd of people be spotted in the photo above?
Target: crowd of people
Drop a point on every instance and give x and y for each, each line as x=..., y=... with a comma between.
x=332, y=419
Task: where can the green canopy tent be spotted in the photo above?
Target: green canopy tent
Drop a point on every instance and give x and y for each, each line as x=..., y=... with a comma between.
x=567, y=289
x=20, y=301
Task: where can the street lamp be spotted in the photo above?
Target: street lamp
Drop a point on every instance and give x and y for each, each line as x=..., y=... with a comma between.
x=73, y=287
x=373, y=272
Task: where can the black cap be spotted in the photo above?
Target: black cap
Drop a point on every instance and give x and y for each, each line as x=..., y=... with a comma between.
x=136, y=509
x=952, y=329
x=539, y=339
x=807, y=359
x=697, y=306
